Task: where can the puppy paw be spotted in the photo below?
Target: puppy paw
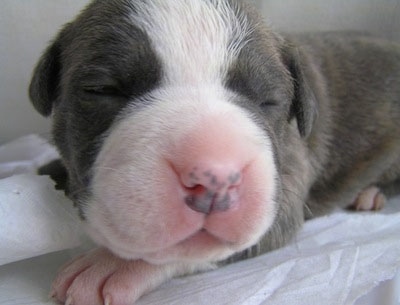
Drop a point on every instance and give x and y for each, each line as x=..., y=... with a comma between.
x=370, y=199
x=100, y=278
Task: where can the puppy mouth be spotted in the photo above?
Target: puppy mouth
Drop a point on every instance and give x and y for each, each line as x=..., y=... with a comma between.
x=201, y=238
x=202, y=234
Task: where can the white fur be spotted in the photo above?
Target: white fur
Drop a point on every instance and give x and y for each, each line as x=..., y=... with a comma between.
x=195, y=40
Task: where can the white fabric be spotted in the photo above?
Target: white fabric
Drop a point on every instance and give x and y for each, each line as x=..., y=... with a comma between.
x=334, y=260
x=35, y=219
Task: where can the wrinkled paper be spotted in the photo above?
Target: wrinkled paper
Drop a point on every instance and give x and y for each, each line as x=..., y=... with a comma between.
x=335, y=259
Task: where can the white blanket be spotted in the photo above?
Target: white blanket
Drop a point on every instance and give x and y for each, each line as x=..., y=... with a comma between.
x=334, y=260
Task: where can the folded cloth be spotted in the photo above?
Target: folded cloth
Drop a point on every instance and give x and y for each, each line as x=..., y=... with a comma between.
x=35, y=218
x=25, y=155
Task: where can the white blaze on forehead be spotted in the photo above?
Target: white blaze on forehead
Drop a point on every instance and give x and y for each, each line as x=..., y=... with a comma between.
x=196, y=41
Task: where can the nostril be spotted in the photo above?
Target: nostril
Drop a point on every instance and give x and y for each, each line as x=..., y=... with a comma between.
x=206, y=200
x=198, y=203
x=196, y=190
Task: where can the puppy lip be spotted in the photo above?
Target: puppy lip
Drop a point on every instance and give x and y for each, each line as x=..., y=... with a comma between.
x=200, y=237
x=198, y=241
x=206, y=233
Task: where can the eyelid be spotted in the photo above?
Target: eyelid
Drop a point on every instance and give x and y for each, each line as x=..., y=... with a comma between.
x=96, y=78
x=269, y=102
x=100, y=89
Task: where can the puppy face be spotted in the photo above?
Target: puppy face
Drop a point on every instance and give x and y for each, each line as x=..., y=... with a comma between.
x=168, y=116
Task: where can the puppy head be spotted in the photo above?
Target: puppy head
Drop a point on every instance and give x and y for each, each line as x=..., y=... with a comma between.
x=168, y=116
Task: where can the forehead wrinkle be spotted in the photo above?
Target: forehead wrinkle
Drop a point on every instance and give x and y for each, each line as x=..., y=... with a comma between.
x=195, y=40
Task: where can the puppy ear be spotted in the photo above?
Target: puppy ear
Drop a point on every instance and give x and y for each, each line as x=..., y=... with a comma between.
x=43, y=88
x=304, y=103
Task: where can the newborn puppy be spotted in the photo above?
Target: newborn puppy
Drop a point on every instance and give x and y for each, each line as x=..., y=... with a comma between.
x=193, y=136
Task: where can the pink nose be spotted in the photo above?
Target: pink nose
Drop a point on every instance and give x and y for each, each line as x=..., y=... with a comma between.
x=211, y=187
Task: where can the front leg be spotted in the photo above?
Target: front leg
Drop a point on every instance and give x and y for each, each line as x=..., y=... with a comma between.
x=99, y=277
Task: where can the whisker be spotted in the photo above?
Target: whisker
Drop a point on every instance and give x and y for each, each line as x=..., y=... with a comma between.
x=292, y=193
x=300, y=198
x=310, y=212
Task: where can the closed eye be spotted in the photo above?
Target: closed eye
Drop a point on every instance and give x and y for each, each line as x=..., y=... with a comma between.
x=269, y=103
x=102, y=90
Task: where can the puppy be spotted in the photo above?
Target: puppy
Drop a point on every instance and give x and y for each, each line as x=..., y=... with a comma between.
x=193, y=135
